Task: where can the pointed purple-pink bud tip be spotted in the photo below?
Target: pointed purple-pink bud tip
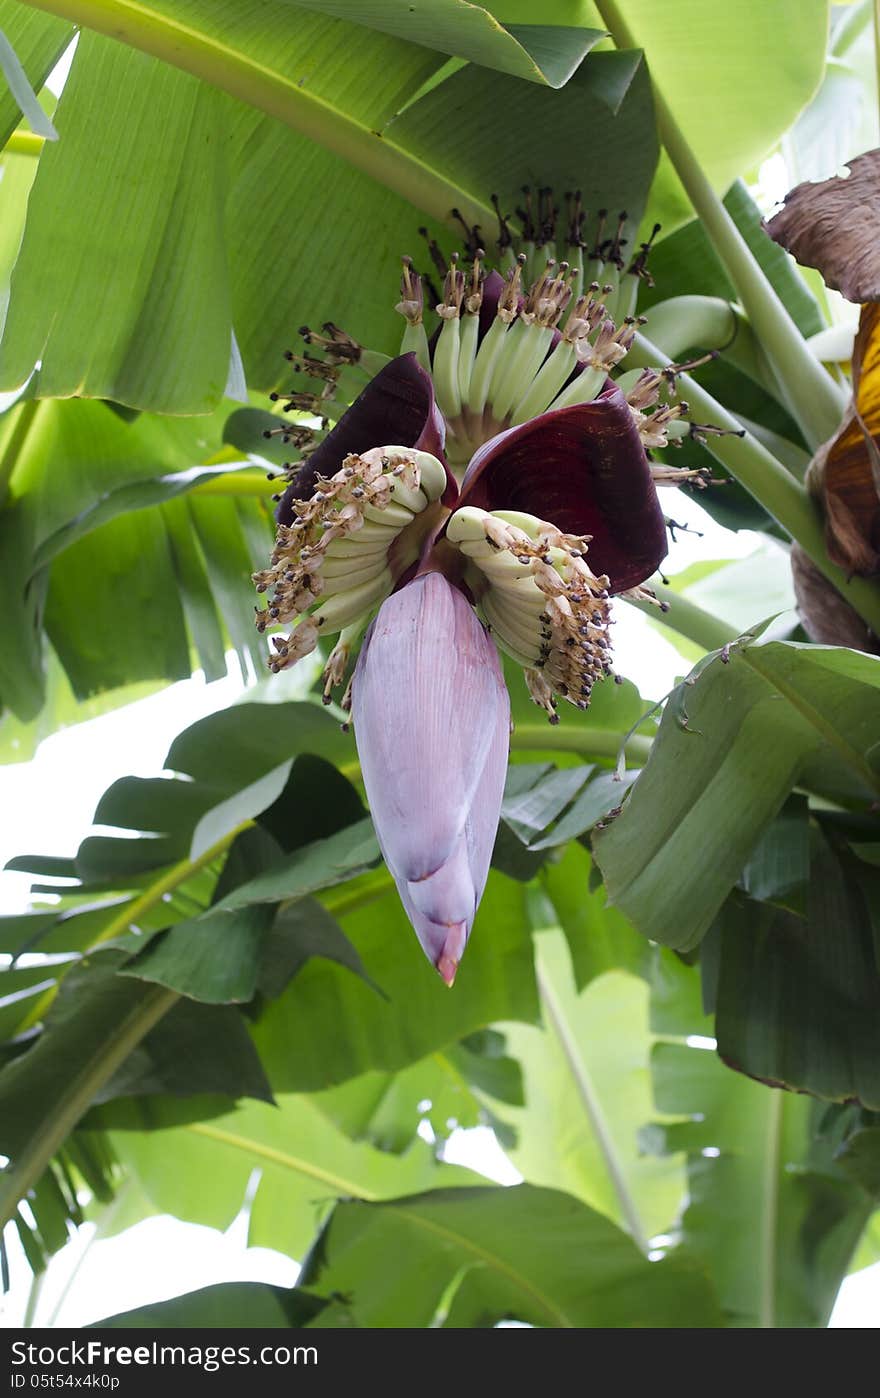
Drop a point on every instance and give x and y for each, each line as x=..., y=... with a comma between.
x=432, y=722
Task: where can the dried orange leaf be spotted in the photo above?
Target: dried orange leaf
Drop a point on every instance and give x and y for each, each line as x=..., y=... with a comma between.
x=845, y=472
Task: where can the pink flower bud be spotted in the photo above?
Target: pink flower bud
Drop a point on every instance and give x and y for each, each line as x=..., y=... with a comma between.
x=432, y=723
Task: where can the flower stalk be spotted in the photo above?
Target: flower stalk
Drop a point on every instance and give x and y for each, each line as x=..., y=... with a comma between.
x=774, y=487
x=815, y=399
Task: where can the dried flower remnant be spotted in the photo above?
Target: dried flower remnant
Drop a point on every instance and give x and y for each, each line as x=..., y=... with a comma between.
x=345, y=545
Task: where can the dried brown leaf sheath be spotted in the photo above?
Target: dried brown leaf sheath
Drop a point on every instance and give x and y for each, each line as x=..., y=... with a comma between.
x=834, y=226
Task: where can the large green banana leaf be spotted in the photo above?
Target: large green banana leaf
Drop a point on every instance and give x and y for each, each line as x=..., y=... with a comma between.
x=737, y=736
x=587, y=1091
x=472, y=1257
x=196, y=217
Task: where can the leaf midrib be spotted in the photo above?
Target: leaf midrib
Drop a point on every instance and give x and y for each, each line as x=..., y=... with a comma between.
x=558, y=1023
x=483, y=1255
x=829, y=734
x=345, y=1187
x=770, y=1209
x=338, y=1183
x=53, y=1131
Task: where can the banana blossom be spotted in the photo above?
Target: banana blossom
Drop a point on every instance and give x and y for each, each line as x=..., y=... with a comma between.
x=489, y=489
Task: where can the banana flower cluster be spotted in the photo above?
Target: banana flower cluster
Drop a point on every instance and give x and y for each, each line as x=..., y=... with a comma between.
x=489, y=489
